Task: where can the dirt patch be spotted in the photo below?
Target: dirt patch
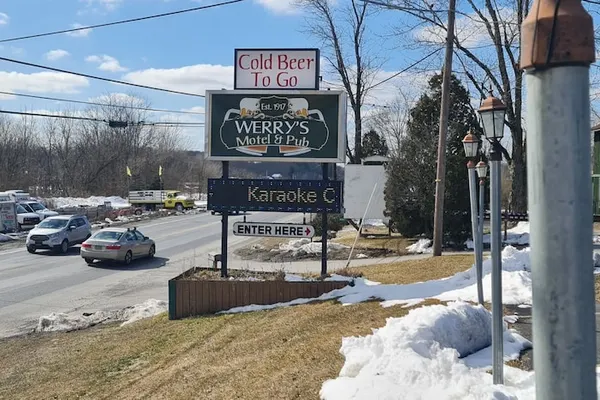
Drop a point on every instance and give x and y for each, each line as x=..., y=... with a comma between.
x=208, y=274
x=395, y=244
x=303, y=249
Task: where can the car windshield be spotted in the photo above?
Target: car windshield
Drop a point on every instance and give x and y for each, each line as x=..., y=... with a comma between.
x=108, y=235
x=22, y=210
x=36, y=206
x=53, y=223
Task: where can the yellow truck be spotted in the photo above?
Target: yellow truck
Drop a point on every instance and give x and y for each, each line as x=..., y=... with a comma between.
x=150, y=200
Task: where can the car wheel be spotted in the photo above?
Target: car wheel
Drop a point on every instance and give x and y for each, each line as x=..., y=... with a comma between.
x=64, y=246
x=31, y=249
x=128, y=258
x=179, y=207
x=89, y=261
x=138, y=211
x=151, y=252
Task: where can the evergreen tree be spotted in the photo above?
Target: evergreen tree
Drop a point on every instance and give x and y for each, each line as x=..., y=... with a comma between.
x=374, y=144
x=410, y=191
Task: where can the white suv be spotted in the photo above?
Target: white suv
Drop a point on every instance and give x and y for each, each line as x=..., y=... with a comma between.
x=59, y=233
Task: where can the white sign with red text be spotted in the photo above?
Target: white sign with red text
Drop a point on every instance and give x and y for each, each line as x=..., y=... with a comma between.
x=279, y=69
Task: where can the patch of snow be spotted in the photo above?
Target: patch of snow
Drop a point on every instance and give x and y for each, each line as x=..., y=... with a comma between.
x=418, y=356
x=64, y=202
x=305, y=246
x=596, y=259
x=420, y=247
x=5, y=238
x=516, y=285
x=511, y=319
x=62, y=322
x=373, y=222
x=518, y=236
x=257, y=246
x=362, y=255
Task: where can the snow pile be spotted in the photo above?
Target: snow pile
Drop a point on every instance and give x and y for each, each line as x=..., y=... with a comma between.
x=61, y=322
x=300, y=247
x=65, y=202
x=374, y=223
x=420, y=247
x=518, y=236
x=516, y=285
x=5, y=238
x=418, y=357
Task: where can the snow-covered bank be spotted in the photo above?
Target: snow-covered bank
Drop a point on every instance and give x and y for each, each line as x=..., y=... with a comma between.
x=418, y=357
x=65, y=202
x=517, y=236
x=516, y=284
x=61, y=322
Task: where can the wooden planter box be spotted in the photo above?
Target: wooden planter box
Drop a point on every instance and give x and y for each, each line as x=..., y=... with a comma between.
x=188, y=298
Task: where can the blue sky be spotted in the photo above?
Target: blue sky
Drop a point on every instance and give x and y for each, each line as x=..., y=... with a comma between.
x=190, y=52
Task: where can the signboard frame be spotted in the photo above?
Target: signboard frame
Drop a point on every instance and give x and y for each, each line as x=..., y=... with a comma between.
x=276, y=185
x=281, y=50
x=275, y=224
x=341, y=125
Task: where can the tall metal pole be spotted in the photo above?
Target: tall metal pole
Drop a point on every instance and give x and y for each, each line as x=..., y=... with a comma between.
x=475, y=227
x=480, y=227
x=224, y=227
x=560, y=198
x=324, y=228
x=440, y=182
x=496, y=233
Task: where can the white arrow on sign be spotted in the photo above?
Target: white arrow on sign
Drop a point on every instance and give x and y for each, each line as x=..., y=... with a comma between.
x=273, y=230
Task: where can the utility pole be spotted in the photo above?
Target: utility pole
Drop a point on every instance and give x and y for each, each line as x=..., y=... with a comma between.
x=557, y=48
x=440, y=182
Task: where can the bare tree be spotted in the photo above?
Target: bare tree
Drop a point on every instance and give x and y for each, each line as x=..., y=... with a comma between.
x=487, y=50
x=341, y=31
x=390, y=120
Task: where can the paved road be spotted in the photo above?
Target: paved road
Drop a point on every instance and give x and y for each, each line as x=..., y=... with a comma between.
x=32, y=285
x=524, y=327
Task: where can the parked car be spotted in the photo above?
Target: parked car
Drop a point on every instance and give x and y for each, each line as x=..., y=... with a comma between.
x=26, y=218
x=38, y=208
x=59, y=233
x=117, y=244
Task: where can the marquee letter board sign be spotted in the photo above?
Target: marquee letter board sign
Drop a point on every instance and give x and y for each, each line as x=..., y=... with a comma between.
x=308, y=196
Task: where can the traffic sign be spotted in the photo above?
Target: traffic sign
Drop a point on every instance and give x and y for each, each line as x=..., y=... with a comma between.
x=273, y=230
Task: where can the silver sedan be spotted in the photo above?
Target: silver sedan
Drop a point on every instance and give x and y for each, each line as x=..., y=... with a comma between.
x=117, y=244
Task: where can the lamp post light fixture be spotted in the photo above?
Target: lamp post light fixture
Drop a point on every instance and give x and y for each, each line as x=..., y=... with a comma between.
x=471, y=147
x=492, y=112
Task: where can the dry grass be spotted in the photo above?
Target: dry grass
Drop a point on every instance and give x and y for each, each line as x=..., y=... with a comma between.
x=285, y=353
x=418, y=270
x=395, y=243
x=597, y=287
x=279, y=354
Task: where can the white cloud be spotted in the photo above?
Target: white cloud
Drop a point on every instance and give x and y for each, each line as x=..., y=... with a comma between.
x=108, y=5
x=57, y=54
x=106, y=63
x=193, y=78
x=80, y=33
x=41, y=82
x=469, y=29
x=285, y=7
x=4, y=18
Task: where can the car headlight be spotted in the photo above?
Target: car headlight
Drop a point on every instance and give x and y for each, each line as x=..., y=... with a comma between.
x=53, y=235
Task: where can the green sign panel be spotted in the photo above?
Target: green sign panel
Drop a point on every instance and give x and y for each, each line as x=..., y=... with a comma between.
x=307, y=126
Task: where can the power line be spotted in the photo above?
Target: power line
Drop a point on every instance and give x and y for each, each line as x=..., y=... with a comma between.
x=99, y=104
x=117, y=123
x=64, y=71
x=187, y=10
x=406, y=69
